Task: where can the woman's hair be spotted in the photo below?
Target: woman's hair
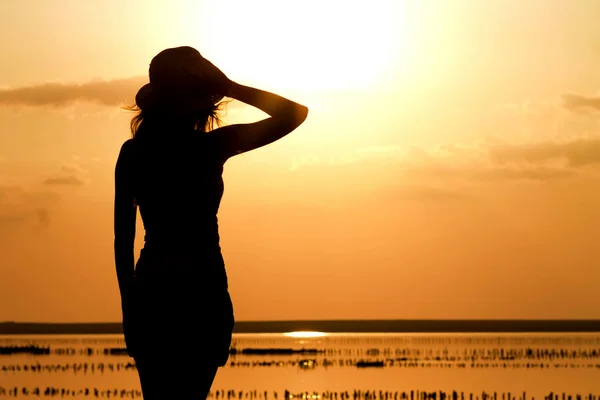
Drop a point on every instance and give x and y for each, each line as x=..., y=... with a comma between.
x=200, y=121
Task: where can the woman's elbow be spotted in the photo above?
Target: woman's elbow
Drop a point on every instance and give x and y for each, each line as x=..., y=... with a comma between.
x=292, y=119
x=300, y=115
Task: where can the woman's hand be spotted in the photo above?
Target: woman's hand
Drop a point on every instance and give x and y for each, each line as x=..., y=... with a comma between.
x=211, y=77
x=130, y=328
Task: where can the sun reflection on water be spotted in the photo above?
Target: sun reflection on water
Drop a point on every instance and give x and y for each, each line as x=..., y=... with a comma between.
x=305, y=334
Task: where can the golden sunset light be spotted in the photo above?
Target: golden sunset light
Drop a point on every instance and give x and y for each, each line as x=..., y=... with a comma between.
x=317, y=199
x=314, y=46
x=449, y=149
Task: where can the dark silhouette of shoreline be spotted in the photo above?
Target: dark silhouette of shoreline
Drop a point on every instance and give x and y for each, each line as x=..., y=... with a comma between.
x=352, y=394
x=334, y=326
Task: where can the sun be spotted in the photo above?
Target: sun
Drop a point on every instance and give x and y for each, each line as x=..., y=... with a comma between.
x=304, y=45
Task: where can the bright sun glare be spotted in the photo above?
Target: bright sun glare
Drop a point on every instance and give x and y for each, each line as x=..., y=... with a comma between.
x=305, y=334
x=308, y=45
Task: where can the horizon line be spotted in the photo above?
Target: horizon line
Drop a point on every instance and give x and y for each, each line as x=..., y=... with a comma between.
x=336, y=320
x=335, y=326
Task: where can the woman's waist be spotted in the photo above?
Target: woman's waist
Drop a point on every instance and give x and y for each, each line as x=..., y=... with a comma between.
x=177, y=253
x=168, y=269
x=182, y=242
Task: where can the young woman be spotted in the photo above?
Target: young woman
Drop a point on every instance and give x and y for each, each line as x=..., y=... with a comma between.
x=177, y=312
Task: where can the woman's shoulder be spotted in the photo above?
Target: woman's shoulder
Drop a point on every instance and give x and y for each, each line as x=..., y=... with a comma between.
x=126, y=149
x=127, y=145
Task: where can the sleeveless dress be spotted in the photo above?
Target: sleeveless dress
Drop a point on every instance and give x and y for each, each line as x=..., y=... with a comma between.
x=183, y=311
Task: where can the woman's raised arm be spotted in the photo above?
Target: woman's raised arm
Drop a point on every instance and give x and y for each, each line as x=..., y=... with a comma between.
x=285, y=116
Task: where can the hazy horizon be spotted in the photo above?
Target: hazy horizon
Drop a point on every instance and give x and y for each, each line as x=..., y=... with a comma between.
x=334, y=327
x=448, y=169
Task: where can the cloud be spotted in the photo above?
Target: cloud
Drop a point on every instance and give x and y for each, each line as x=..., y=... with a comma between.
x=478, y=163
x=494, y=161
x=68, y=175
x=580, y=152
x=421, y=193
x=108, y=93
x=481, y=173
x=64, y=180
x=20, y=206
x=577, y=103
x=32, y=205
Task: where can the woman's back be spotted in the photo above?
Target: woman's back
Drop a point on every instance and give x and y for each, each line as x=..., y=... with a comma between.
x=178, y=187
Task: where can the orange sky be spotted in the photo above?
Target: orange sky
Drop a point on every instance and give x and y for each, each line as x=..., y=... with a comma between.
x=449, y=165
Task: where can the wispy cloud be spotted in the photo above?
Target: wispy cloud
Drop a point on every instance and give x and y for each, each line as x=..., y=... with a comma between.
x=579, y=152
x=19, y=205
x=477, y=163
x=414, y=192
x=69, y=175
x=109, y=93
x=31, y=205
x=578, y=103
x=489, y=173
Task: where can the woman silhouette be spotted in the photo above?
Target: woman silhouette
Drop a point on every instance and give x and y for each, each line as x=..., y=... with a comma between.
x=177, y=313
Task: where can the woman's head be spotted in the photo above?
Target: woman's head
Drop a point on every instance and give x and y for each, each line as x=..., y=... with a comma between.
x=183, y=93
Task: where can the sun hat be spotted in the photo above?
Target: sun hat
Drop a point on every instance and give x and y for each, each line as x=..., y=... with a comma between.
x=180, y=80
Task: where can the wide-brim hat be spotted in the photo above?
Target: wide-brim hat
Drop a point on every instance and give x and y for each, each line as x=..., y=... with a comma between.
x=177, y=83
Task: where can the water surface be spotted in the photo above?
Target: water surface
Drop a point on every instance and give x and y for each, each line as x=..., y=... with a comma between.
x=334, y=366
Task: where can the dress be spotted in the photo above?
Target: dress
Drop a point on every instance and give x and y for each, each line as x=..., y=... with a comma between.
x=183, y=311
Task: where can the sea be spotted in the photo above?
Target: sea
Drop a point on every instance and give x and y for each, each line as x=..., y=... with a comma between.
x=315, y=365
